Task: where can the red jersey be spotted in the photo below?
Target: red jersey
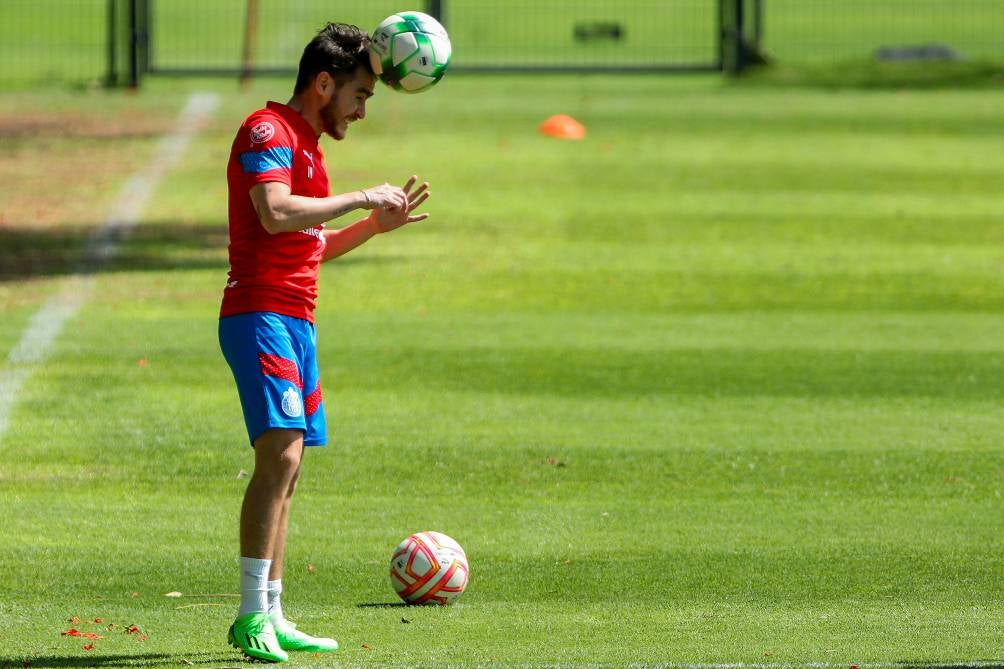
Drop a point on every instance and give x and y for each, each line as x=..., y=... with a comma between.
x=275, y=273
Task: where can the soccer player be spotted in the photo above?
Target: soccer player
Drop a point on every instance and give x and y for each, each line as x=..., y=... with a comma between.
x=279, y=203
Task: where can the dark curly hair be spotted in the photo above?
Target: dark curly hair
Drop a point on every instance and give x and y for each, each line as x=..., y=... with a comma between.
x=339, y=48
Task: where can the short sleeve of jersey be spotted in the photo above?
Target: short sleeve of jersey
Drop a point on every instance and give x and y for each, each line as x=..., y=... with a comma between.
x=264, y=149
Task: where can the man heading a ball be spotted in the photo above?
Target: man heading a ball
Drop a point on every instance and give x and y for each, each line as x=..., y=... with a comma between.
x=279, y=202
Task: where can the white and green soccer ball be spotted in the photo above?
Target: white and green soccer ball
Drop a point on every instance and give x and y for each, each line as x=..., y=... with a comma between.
x=410, y=51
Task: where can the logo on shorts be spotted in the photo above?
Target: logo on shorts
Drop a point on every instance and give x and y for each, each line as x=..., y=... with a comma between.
x=292, y=405
x=262, y=132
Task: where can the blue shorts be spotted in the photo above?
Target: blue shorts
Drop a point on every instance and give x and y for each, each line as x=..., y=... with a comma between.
x=274, y=361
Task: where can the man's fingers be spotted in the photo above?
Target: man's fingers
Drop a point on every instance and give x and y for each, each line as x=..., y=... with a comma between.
x=420, y=217
x=410, y=182
x=417, y=202
x=418, y=191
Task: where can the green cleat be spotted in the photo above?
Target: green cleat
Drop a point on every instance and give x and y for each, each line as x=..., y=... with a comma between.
x=291, y=638
x=253, y=633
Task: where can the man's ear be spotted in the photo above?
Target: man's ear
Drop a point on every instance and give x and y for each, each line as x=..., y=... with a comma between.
x=324, y=84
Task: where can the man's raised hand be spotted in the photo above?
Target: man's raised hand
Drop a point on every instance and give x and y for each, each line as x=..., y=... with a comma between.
x=399, y=211
x=385, y=197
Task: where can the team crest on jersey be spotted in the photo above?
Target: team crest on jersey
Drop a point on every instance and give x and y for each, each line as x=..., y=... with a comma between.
x=292, y=405
x=262, y=132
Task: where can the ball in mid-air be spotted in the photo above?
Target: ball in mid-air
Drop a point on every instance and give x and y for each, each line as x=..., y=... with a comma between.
x=410, y=51
x=429, y=568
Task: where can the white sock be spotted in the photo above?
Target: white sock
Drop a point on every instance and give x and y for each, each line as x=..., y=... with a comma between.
x=254, y=585
x=274, y=603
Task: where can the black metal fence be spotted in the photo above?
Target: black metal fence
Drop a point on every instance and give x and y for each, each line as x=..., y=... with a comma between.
x=814, y=31
x=118, y=41
x=511, y=35
x=52, y=41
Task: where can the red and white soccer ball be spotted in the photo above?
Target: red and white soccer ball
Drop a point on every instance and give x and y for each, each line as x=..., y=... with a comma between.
x=429, y=568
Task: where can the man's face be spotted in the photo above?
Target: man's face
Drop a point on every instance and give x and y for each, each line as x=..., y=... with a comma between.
x=348, y=102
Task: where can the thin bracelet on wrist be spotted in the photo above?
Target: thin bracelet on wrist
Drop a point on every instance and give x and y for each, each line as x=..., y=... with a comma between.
x=369, y=203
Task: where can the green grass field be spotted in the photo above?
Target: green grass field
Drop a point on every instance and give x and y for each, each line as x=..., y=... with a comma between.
x=720, y=384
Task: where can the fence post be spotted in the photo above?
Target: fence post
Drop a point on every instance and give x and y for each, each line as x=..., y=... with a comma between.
x=741, y=35
x=758, y=26
x=733, y=46
x=250, y=37
x=133, y=81
x=112, y=75
x=435, y=10
x=144, y=34
x=139, y=35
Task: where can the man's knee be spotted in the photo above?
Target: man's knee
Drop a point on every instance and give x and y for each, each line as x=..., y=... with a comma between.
x=278, y=453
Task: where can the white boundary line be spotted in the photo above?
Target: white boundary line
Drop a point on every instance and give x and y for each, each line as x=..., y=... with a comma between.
x=47, y=323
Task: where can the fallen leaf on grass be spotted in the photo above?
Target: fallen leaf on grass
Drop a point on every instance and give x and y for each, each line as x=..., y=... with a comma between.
x=187, y=663
x=172, y=594
x=83, y=635
x=99, y=620
x=74, y=620
x=241, y=474
x=310, y=569
x=405, y=620
x=367, y=646
x=132, y=629
x=89, y=646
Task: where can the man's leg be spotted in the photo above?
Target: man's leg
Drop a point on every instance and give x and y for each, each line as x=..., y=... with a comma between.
x=264, y=512
x=289, y=637
x=279, y=556
x=277, y=456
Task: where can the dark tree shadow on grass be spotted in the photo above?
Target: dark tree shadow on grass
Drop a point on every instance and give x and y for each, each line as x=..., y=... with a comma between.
x=231, y=659
x=28, y=252
x=33, y=251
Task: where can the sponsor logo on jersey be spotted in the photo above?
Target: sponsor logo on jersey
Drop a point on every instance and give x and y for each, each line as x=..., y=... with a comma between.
x=314, y=232
x=292, y=405
x=262, y=132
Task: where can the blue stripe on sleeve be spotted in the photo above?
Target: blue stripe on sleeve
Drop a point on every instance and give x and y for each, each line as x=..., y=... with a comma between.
x=276, y=157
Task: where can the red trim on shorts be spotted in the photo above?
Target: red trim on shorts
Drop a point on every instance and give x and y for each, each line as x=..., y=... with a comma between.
x=280, y=367
x=313, y=401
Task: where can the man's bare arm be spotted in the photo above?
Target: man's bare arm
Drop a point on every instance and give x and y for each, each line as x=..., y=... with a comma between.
x=281, y=211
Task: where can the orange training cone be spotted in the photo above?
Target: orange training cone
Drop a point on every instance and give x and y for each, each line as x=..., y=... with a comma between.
x=563, y=126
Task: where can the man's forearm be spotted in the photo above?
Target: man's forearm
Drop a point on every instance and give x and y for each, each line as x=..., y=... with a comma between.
x=296, y=212
x=340, y=242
